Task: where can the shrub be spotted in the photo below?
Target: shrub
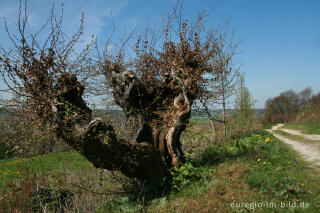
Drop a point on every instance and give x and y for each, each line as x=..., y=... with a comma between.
x=188, y=174
x=51, y=199
x=244, y=145
x=121, y=204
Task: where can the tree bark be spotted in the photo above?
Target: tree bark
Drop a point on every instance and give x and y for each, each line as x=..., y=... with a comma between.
x=224, y=114
x=157, y=147
x=163, y=112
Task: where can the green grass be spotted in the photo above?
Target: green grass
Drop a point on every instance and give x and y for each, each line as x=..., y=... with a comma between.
x=297, y=137
x=265, y=124
x=275, y=172
x=257, y=168
x=51, y=164
x=306, y=127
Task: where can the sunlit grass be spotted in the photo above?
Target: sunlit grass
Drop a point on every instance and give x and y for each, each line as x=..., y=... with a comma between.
x=298, y=138
x=258, y=169
x=305, y=127
x=50, y=164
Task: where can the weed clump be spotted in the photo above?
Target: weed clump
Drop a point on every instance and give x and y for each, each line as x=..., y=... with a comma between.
x=56, y=200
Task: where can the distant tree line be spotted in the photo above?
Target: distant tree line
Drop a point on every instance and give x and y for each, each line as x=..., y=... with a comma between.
x=289, y=104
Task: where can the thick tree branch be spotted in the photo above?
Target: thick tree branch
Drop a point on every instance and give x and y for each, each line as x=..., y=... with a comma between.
x=97, y=141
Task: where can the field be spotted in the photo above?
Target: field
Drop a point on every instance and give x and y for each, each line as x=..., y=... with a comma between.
x=253, y=173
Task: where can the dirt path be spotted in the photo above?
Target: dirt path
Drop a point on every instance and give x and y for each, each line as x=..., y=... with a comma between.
x=308, y=151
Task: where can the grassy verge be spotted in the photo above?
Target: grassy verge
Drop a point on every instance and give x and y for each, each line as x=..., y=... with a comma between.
x=306, y=127
x=256, y=173
x=298, y=138
x=283, y=177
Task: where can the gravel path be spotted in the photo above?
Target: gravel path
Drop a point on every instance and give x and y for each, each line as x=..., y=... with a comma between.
x=308, y=151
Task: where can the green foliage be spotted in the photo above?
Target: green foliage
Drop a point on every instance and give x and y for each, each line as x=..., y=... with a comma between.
x=311, y=127
x=280, y=184
x=121, y=204
x=159, y=201
x=5, y=151
x=105, y=140
x=272, y=173
x=266, y=124
x=243, y=108
x=188, y=174
x=52, y=199
x=241, y=147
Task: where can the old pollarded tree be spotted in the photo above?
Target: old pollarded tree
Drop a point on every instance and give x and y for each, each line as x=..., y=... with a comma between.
x=157, y=87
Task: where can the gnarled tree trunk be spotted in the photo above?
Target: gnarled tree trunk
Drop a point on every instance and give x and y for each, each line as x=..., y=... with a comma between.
x=159, y=90
x=163, y=113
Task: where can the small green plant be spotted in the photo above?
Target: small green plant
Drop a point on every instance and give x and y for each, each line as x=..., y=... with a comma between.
x=121, y=204
x=51, y=199
x=268, y=179
x=188, y=174
x=272, y=171
x=310, y=127
x=252, y=143
x=243, y=109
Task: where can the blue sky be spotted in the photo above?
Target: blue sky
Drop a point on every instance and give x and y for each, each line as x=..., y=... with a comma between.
x=280, y=51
